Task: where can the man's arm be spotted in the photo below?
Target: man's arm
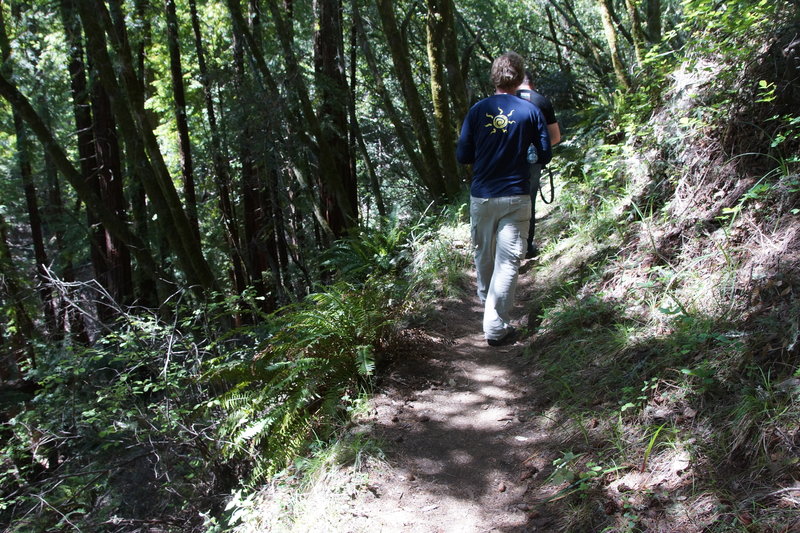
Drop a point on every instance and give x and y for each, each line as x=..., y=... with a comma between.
x=546, y=153
x=555, y=133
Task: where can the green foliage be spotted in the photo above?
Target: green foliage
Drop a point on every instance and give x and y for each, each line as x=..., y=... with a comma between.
x=322, y=351
x=372, y=251
x=581, y=475
x=112, y=430
x=724, y=29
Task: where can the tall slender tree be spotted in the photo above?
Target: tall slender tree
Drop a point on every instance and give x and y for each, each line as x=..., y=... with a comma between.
x=181, y=119
x=606, y=10
x=436, y=25
x=128, y=103
x=23, y=156
x=439, y=188
x=222, y=175
x=339, y=211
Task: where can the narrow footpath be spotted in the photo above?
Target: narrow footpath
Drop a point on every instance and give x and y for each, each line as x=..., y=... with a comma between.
x=458, y=421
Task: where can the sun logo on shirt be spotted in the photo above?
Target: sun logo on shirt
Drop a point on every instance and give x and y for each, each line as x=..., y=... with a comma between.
x=500, y=121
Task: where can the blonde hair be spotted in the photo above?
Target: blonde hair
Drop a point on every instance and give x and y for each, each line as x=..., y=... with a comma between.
x=508, y=71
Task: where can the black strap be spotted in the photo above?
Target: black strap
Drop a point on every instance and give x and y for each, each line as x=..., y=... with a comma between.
x=552, y=188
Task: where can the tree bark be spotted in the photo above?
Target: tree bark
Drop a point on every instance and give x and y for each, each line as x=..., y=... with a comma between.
x=400, y=126
x=140, y=139
x=23, y=331
x=613, y=47
x=636, y=31
x=262, y=70
x=419, y=118
x=339, y=188
x=146, y=288
x=182, y=124
x=106, y=215
x=586, y=47
x=456, y=83
x=653, y=14
x=334, y=93
x=255, y=244
x=562, y=65
x=221, y=169
x=436, y=30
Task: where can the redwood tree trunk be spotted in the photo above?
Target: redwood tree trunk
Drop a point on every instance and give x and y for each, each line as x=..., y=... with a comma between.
x=221, y=169
x=128, y=103
x=332, y=85
x=255, y=246
x=111, y=259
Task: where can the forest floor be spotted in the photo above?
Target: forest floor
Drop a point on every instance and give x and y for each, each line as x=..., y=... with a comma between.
x=464, y=448
x=463, y=444
x=460, y=446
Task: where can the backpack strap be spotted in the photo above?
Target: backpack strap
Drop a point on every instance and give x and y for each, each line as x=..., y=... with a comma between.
x=552, y=188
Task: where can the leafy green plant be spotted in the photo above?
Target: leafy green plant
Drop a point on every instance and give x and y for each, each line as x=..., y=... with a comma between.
x=99, y=418
x=649, y=448
x=579, y=476
x=322, y=351
x=371, y=251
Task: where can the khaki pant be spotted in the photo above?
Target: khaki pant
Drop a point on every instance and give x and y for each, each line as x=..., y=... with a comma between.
x=499, y=234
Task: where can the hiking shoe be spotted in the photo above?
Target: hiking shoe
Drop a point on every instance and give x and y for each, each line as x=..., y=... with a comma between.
x=509, y=338
x=532, y=252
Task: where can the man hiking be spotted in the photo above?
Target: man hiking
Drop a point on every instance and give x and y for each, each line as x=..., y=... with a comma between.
x=527, y=91
x=495, y=137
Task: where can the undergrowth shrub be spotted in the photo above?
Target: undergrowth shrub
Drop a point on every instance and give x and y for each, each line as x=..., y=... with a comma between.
x=162, y=415
x=321, y=351
x=112, y=434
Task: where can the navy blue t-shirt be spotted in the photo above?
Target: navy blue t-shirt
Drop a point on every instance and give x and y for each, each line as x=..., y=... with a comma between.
x=495, y=139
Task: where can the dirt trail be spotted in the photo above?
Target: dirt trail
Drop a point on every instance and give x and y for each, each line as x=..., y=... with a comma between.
x=464, y=447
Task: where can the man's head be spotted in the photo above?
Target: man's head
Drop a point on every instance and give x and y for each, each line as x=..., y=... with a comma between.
x=527, y=81
x=508, y=70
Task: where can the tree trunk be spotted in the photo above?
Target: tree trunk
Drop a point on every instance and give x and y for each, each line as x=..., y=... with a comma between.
x=29, y=187
x=334, y=95
x=146, y=288
x=653, y=14
x=611, y=39
x=400, y=127
x=432, y=173
x=456, y=83
x=436, y=30
x=141, y=141
x=341, y=211
x=110, y=257
x=636, y=31
x=273, y=94
x=356, y=134
x=255, y=252
x=106, y=215
x=221, y=169
x=563, y=66
x=179, y=99
x=590, y=50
